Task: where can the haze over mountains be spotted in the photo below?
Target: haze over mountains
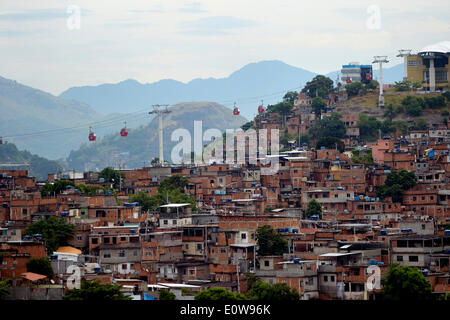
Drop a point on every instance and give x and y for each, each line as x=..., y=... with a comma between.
x=141, y=144
x=63, y=122
x=265, y=80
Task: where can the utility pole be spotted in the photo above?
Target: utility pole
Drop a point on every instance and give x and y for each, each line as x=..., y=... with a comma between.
x=381, y=60
x=405, y=53
x=159, y=112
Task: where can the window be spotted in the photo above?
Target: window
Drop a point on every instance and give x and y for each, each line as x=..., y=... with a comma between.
x=400, y=258
x=94, y=240
x=413, y=258
x=122, y=253
x=107, y=255
x=325, y=278
x=123, y=238
x=308, y=266
x=174, y=222
x=253, y=236
x=223, y=250
x=266, y=263
x=147, y=253
x=356, y=272
x=199, y=246
x=24, y=211
x=165, y=222
x=79, y=238
x=106, y=240
x=332, y=278
x=135, y=253
x=243, y=236
x=423, y=227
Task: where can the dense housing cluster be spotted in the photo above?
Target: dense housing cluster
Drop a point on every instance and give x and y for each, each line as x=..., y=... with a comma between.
x=342, y=211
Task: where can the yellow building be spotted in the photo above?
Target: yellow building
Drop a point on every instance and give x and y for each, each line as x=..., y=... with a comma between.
x=430, y=67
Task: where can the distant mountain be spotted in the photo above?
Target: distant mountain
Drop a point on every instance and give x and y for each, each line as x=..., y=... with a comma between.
x=246, y=86
x=25, y=110
x=36, y=166
x=141, y=144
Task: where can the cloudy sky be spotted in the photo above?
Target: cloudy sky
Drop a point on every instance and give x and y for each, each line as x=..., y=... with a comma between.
x=47, y=45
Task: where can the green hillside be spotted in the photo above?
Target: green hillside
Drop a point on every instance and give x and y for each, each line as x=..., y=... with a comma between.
x=36, y=166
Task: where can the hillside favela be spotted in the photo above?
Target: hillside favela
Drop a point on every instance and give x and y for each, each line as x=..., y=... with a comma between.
x=249, y=178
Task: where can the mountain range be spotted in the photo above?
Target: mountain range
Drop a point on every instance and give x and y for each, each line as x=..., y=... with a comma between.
x=265, y=80
x=51, y=126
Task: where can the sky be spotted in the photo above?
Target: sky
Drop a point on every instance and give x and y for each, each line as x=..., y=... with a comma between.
x=53, y=45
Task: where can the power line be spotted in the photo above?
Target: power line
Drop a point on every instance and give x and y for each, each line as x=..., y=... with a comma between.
x=137, y=114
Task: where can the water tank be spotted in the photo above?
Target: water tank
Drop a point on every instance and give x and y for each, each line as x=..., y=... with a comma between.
x=425, y=272
x=26, y=237
x=447, y=232
x=296, y=260
x=5, y=204
x=37, y=236
x=54, y=257
x=383, y=232
x=96, y=269
x=381, y=263
x=373, y=262
x=294, y=230
x=132, y=231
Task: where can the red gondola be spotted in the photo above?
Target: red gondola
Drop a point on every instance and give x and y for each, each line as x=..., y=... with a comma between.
x=92, y=136
x=236, y=110
x=124, y=131
x=368, y=77
x=261, y=108
x=349, y=80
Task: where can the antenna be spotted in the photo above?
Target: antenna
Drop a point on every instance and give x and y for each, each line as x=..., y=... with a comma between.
x=381, y=60
x=159, y=112
x=405, y=53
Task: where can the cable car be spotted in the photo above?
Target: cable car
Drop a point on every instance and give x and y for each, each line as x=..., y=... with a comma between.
x=124, y=131
x=236, y=110
x=92, y=136
x=349, y=80
x=261, y=108
x=368, y=77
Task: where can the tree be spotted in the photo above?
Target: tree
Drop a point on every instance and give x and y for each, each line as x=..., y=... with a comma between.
x=319, y=86
x=397, y=182
x=110, y=175
x=390, y=112
x=5, y=286
x=251, y=280
x=283, y=108
x=166, y=295
x=96, y=291
x=56, y=188
x=55, y=232
x=290, y=97
x=40, y=266
x=372, y=84
x=330, y=143
x=407, y=179
x=413, y=105
x=330, y=126
x=368, y=127
x=353, y=88
x=406, y=283
x=446, y=95
x=248, y=125
x=419, y=124
x=218, y=294
x=406, y=85
x=314, y=209
x=277, y=292
x=270, y=242
x=174, y=182
x=318, y=105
